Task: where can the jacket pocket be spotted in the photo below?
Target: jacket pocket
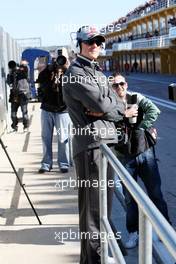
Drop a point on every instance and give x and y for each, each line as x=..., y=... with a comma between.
x=103, y=130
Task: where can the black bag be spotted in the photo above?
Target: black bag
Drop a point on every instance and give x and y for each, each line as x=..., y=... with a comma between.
x=14, y=96
x=138, y=141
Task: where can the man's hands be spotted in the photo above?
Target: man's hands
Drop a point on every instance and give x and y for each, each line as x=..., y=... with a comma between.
x=132, y=111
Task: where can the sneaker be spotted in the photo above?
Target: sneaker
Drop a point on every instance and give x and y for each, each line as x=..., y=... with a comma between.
x=25, y=130
x=132, y=240
x=41, y=170
x=15, y=128
x=64, y=170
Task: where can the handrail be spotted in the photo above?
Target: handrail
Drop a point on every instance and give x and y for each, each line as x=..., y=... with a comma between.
x=149, y=215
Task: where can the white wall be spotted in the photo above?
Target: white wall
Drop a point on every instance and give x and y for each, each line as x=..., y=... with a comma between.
x=9, y=50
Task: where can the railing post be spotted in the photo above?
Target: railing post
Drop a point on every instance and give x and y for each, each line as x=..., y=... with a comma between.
x=145, y=239
x=103, y=206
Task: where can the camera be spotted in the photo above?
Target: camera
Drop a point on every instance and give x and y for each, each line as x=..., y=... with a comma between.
x=12, y=76
x=12, y=79
x=12, y=65
x=16, y=72
x=58, y=63
x=61, y=60
x=17, y=79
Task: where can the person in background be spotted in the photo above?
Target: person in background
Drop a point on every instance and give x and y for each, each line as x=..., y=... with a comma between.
x=127, y=68
x=17, y=79
x=135, y=66
x=54, y=114
x=137, y=153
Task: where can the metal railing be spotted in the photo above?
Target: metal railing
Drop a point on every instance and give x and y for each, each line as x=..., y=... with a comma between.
x=153, y=42
x=139, y=14
x=154, y=8
x=149, y=215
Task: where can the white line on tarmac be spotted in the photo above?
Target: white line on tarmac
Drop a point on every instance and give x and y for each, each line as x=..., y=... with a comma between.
x=150, y=80
x=162, y=102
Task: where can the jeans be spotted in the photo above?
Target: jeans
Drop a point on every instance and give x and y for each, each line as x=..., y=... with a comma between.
x=144, y=166
x=61, y=122
x=14, y=110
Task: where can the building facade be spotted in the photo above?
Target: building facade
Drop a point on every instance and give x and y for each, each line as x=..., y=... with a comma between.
x=145, y=38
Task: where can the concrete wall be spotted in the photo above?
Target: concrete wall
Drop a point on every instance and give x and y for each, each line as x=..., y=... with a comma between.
x=9, y=50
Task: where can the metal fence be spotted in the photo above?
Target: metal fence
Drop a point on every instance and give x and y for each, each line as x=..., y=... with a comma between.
x=161, y=5
x=149, y=215
x=153, y=42
x=153, y=8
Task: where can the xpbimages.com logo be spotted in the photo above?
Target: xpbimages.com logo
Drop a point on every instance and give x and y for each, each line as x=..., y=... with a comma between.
x=65, y=184
x=102, y=79
x=73, y=27
x=100, y=133
x=71, y=235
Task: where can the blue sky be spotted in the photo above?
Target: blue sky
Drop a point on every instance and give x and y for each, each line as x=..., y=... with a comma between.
x=53, y=20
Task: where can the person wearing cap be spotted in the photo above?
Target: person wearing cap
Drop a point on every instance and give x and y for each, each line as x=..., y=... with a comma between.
x=136, y=152
x=86, y=90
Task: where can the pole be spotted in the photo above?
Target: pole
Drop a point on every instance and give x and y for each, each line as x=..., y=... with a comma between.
x=22, y=185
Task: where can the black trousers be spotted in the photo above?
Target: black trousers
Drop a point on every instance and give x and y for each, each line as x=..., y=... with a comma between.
x=87, y=169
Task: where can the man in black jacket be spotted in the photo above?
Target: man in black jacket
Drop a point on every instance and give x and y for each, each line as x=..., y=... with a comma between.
x=54, y=114
x=86, y=90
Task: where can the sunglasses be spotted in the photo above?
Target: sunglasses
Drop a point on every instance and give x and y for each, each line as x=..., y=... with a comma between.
x=90, y=42
x=116, y=85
